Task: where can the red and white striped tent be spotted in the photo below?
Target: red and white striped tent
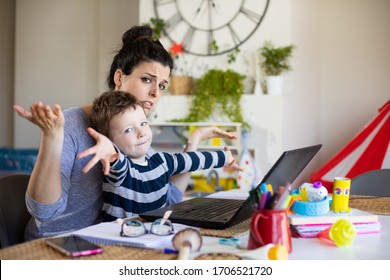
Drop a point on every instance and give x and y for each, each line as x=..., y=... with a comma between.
x=369, y=150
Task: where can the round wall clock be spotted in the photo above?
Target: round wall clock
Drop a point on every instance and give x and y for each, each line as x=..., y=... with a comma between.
x=210, y=27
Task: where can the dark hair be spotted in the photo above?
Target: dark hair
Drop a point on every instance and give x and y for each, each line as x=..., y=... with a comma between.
x=139, y=46
x=108, y=105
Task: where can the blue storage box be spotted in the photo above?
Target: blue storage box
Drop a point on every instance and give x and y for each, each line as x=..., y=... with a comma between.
x=18, y=159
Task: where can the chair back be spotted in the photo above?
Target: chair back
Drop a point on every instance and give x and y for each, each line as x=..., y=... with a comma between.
x=13, y=211
x=375, y=183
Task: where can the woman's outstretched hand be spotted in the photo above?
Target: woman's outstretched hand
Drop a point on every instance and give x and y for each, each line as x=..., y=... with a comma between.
x=49, y=120
x=210, y=132
x=104, y=151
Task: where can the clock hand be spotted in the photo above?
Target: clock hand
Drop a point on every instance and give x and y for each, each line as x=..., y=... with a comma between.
x=211, y=3
x=210, y=35
x=214, y=5
x=199, y=9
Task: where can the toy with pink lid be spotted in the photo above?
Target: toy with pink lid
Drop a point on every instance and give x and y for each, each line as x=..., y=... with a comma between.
x=313, y=192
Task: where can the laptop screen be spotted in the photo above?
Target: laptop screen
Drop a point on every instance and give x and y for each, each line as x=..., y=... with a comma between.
x=289, y=165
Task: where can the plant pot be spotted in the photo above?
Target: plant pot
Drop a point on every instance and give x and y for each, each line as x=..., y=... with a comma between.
x=249, y=84
x=181, y=85
x=275, y=85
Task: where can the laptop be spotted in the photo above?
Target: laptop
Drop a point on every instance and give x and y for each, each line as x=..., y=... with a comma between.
x=218, y=213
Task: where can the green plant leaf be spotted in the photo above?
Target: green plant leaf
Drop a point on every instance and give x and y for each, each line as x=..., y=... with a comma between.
x=219, y=91
x=276, y=60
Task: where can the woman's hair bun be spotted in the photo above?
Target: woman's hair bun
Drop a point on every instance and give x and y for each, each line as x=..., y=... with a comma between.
x=136, y=33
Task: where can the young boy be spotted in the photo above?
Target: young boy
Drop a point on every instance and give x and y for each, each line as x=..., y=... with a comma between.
x=136, y=177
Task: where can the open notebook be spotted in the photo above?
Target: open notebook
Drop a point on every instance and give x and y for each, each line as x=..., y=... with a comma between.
x=218, y=213
x=109, y=234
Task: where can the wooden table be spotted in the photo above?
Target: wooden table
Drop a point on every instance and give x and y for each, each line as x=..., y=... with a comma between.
x=37, y=249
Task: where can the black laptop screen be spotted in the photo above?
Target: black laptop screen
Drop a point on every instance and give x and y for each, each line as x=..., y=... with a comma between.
x=289, y=165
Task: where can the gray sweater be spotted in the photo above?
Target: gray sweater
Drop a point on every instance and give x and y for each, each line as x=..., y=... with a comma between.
x=81, y=199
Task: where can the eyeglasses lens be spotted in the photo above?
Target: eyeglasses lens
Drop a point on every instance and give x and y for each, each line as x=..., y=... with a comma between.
x=133, y=228
x=162, y=227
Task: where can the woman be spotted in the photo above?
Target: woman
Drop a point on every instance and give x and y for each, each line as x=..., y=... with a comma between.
x=60, y=197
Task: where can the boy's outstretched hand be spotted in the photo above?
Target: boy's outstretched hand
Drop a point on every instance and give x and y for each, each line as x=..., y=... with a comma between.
x=231, y=161
x=104, y=151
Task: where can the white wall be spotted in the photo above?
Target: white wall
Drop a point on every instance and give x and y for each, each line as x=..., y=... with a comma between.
x=7, y=31
x=63, y=52
x=302, y=106
x=264, y=113
x=115, y=17
x=56, y=58
x=340, y=76
x=355, y=67
x=341, y=52
x=341, y=72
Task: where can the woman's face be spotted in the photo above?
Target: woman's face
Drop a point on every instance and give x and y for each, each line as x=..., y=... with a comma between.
x=147, y=82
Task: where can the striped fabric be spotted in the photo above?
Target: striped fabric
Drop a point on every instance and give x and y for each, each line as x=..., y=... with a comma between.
x=130, y=189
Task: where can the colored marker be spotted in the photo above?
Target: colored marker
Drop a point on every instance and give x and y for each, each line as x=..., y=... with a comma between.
x=263, y=188
x=270, y=189
x=263, y=200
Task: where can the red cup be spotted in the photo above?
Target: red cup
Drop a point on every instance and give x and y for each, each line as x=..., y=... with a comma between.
x=270, y=226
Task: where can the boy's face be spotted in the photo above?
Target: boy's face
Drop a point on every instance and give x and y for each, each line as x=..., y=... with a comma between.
x=130, y=131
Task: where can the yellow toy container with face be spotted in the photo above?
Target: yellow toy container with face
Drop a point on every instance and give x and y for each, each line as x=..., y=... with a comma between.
x=340, y=195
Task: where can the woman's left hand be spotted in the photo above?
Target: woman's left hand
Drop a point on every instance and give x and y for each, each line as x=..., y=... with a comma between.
x=208, y=132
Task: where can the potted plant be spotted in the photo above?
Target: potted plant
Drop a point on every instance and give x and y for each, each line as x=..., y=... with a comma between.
x=275, y=63
x=218, y=91
x=181, y=80
x=157, y=26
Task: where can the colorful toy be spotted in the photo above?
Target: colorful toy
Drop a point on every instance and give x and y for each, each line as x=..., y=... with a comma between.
x=341, y=233
x=340, y=195
x=309, y=208
x=294, y=197
x=251, y=175
x=312, y=192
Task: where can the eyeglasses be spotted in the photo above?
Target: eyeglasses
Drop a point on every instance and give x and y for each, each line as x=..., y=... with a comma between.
x=134, y=228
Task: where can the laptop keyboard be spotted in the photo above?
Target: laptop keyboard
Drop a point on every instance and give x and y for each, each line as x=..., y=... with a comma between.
x=211, y=209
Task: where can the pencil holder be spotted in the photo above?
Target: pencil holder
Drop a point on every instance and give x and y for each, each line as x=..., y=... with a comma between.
x=270, y=226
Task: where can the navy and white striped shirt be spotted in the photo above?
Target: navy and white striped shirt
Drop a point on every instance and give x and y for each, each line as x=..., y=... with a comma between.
x=130, y=188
